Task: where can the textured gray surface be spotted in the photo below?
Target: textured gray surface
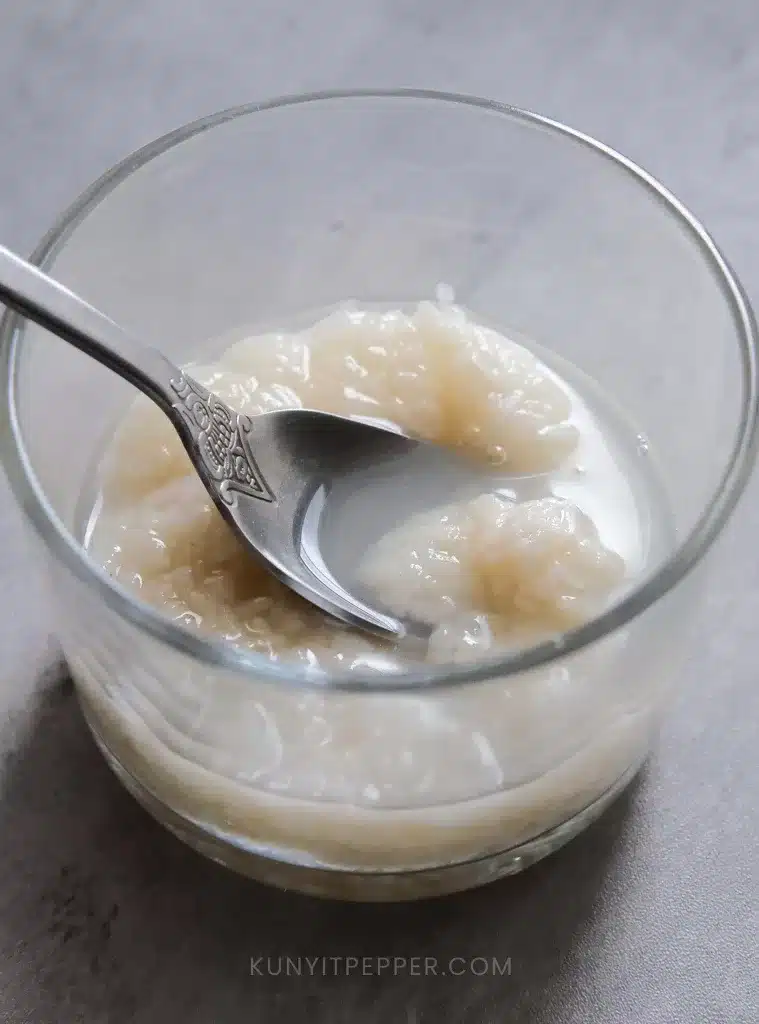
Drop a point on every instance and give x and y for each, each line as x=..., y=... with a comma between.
x=651, y=917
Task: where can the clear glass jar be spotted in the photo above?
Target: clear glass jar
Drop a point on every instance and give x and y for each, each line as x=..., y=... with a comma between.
x=252, y=216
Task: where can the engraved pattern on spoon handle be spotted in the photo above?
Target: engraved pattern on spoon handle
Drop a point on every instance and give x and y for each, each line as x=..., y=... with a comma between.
x=222, y=438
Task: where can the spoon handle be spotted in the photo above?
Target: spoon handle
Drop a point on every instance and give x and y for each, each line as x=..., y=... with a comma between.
x=38, y=297
x=215, y=436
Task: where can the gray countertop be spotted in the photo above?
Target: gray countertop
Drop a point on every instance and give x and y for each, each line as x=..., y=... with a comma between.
x=652, y=916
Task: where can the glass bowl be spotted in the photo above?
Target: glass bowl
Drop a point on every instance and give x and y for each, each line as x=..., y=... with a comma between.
x=253, y=217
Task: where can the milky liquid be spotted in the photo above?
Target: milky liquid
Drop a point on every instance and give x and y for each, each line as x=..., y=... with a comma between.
x=394, y=780
x=609, y=479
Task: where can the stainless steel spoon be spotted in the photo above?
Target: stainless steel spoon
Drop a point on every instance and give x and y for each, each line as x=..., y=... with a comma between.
x=307, y=491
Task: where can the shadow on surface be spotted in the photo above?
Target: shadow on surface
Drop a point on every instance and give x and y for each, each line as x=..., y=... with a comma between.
x=114, y=919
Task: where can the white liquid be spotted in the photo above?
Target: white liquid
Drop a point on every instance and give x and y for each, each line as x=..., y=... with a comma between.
x=386, y=780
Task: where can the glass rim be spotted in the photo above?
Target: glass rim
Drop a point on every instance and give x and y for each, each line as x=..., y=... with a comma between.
x=216, y=653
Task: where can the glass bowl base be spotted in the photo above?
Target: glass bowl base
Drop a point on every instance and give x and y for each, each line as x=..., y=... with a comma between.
x=355, y=885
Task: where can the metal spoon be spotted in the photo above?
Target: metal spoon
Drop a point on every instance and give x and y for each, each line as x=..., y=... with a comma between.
x=306, y=490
